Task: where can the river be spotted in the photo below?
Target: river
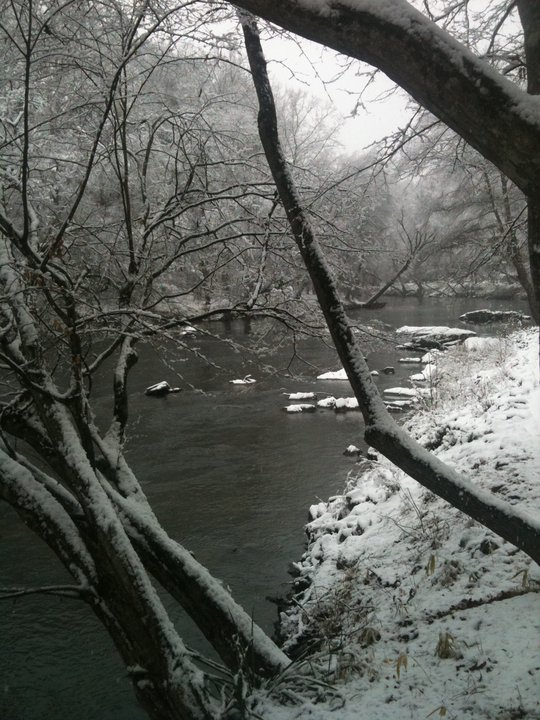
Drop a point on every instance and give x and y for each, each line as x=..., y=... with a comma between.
x=229, y=474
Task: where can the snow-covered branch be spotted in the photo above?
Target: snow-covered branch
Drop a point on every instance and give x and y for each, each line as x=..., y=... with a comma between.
x=64, y=591
x=41, y=511
x=491, y=113
x=381, y=432
x=205, y=599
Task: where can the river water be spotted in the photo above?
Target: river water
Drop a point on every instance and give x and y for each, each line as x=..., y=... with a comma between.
x=229, y=474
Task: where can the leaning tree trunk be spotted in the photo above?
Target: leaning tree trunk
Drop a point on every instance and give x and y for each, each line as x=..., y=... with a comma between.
x=381, y=430
x=380, y=292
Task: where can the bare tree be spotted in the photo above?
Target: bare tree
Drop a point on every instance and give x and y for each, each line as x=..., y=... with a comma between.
x=477, y=215
x=108, y=195
x=491, y=113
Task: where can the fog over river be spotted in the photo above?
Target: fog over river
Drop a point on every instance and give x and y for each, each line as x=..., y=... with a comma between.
x=229, y=474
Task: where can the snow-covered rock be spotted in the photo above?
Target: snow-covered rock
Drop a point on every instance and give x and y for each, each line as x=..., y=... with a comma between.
x=475, y=344
x=428, y=373
x=352, y=451
x=327, y=402
x=246, y=380
x=300, y=408
x=160, y=389
x=479, y=317
x=406, y=392
x=188, y=330
x=395, y=406
x=301, y=396
x=333, y=375
x=434, y=333
x=344, y=404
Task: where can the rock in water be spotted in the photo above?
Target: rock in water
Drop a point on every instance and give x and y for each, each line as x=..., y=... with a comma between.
x=480, y=317
x=300, y=408
x=160, y=389
x=352, y=451
x=246, y=380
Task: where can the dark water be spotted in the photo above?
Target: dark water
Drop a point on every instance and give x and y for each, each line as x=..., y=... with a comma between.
x=229, y=474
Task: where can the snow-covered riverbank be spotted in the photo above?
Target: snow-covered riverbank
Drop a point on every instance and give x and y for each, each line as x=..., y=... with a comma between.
x=406, y=607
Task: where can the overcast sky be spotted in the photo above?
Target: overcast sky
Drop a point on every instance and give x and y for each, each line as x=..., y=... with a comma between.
x=312, y=68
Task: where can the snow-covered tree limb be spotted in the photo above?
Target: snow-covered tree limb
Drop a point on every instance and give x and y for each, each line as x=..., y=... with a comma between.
x=497, y=118
x=209, y=604
x=225, y=624
x=42, y=512
x=381, y=430
x=492, y=114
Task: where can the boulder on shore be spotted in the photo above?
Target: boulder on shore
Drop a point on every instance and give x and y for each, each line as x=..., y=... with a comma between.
x=421, y=345
x=433, y=336
x=435, y=333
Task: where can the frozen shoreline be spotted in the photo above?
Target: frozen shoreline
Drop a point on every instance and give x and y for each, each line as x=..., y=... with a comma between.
x=407, y=607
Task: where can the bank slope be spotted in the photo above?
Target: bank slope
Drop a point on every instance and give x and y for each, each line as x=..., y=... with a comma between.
x=405, y=607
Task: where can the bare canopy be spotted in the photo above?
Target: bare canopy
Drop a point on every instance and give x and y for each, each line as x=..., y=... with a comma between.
x=497, y=118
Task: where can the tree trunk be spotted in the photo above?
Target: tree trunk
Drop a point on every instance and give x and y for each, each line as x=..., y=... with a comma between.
x=380, y=292
x=533, y=215
x=529, y=12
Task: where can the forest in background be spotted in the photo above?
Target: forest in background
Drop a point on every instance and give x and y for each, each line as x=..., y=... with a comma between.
x=175, y=185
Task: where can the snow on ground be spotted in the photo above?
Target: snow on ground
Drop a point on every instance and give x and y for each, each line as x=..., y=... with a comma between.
x=406, y=608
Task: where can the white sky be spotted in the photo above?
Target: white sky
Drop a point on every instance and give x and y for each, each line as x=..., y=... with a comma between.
x=310, y=67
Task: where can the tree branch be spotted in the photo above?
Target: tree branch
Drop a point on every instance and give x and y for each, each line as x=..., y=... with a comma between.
x=487, y=110
x=381, y=431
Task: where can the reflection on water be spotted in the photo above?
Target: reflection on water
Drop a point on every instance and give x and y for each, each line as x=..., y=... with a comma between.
x=229, y=474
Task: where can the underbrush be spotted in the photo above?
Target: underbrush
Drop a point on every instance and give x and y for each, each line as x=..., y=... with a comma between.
x=405, y=604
